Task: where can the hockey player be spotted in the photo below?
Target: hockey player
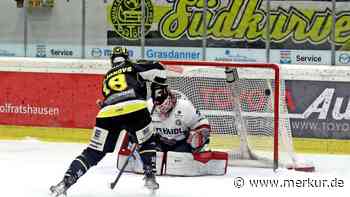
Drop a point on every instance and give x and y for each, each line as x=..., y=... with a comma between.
x=124, y=108
x=183, y=134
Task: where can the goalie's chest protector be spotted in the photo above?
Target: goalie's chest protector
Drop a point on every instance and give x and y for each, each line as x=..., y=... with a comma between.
x=178, y=123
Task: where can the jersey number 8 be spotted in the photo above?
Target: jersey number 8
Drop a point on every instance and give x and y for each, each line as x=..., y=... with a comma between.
x=116, y=83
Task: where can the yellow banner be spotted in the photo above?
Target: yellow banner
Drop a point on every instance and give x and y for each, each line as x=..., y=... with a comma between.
x=237, y=20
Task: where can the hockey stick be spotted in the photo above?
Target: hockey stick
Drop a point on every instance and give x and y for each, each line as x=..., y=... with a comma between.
x=114, y=183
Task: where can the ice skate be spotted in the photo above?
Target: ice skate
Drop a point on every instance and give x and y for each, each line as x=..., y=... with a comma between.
x=61, y=188
x=150, y=182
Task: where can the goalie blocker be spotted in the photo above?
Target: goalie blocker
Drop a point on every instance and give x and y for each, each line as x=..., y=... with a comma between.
x=177, y=163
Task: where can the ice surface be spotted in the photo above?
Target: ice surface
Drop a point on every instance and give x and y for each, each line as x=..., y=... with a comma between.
x=29, y=167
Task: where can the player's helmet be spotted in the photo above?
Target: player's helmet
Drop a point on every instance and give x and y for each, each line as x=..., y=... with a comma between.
x=162, y=97
x=119, y=56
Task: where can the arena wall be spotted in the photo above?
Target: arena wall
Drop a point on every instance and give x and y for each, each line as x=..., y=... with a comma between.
x=54, y=99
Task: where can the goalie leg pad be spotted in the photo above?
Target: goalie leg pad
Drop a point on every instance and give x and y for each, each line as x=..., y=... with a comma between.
x=135, y=163
x=199, y=164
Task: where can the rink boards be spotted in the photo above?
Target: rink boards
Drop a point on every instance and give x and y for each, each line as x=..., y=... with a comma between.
x=301, y=145
x=54, y=99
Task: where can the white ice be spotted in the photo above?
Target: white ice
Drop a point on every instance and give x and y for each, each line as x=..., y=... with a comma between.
x=29, y=167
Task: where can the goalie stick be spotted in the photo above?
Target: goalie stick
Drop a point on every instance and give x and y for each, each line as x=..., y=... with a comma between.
x=114, y=183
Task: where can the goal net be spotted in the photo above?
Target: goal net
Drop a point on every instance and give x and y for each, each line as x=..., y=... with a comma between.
x=246, y=107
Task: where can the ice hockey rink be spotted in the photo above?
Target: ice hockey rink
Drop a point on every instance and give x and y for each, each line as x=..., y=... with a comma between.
x=29, y=167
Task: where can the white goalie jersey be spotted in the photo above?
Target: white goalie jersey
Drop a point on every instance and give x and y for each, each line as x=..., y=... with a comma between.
x=183, y=118
x=176, y=126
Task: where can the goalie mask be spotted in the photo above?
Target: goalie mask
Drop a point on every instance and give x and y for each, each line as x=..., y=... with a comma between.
x=163, y=100
x=119, y=56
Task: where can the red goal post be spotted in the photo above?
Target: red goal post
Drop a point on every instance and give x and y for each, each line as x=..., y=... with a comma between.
x=189, y=76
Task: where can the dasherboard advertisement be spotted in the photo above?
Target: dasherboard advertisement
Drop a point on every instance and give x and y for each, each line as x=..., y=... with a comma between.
x=319, y=109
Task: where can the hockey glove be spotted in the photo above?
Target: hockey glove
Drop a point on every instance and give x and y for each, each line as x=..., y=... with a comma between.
x=199, y=137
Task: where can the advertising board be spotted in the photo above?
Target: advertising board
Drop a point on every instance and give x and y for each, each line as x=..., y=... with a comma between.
x=319, y=109
x=49, y=99
x=43, y=50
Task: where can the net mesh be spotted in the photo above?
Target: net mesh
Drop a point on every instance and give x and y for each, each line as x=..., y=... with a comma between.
x=241, y=113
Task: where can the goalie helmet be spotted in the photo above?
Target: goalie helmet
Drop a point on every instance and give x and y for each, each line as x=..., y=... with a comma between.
x=119, y=56
x=163, y=100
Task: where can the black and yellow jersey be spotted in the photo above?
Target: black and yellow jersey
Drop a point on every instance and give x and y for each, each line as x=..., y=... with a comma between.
x=128, y=82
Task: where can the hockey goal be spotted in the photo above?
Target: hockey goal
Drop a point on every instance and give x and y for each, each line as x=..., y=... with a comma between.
x=245, y=105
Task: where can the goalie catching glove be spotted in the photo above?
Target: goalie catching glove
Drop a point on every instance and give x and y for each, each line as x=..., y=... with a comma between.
x=199, y=137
